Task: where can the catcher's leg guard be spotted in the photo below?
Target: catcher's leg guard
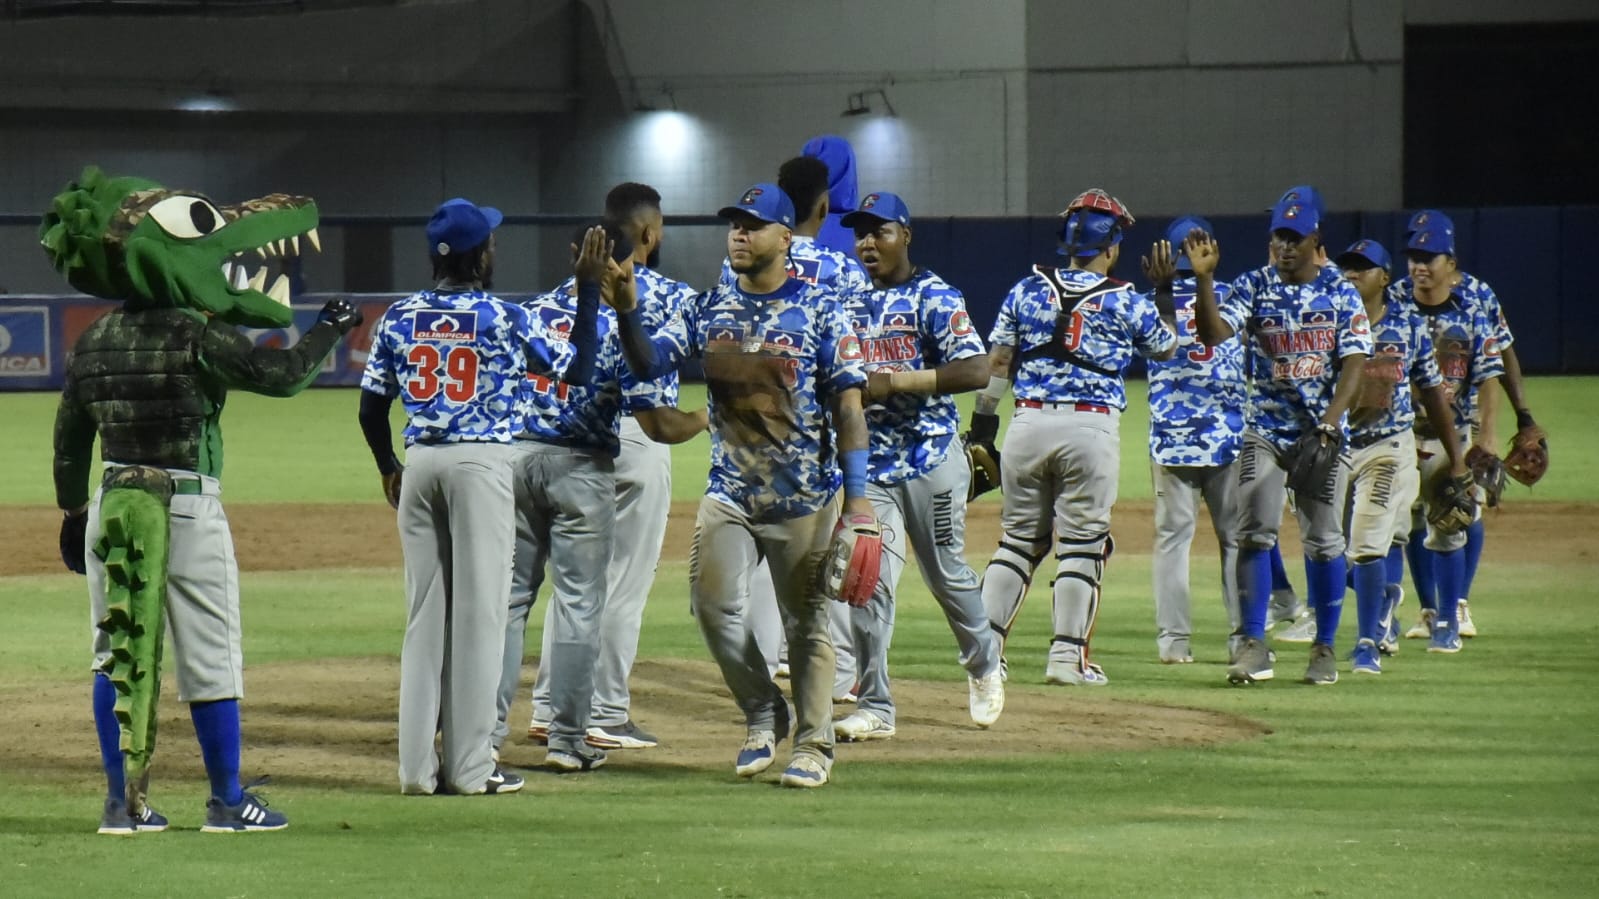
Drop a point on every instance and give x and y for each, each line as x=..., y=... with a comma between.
x=1007, y=578
x=134, y=547
x=1080, y=566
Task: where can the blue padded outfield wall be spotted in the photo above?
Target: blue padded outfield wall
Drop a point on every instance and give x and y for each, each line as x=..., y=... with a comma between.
x=1519, y=251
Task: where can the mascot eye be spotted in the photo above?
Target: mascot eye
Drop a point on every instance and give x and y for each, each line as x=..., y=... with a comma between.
x=186, y=217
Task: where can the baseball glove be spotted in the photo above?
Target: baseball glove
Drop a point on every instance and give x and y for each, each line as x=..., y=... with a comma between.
x=1311, y=463
x=853, y=561
x=1488, y=472
x=1527, y=460
x=1450, y=504
x=74, y=530
x=983, y=461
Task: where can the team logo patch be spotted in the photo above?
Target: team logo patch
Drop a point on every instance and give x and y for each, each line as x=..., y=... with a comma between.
x=724, y=332
x=960, y=324
x=786, y=342
x=1317, y=318
x=849, y=348
x=1360, y=324
x=869, y=202
x=24, y=342
x=557, y=323
x=807, y=270
x=750, y=195
x=451, y=325
x=899, y=321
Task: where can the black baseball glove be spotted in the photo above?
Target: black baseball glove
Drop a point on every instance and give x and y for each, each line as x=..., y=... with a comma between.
x=74, y=528
x=1488, y=472
x=1451, y=507
x=1311, y=463
x=981, y=456
x=341, y=314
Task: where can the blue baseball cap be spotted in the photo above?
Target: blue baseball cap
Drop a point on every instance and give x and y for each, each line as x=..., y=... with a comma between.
x=1363, y=254
x=1298, y=216
x=1304, y=195
x=460, y=225
x=1089, y=232
x=1177, y=232
x=880, y=206
x=1428, y=219
x=764, y=201
x=1433, y=239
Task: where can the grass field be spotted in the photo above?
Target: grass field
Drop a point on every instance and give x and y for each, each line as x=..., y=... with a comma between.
x=1474, y=775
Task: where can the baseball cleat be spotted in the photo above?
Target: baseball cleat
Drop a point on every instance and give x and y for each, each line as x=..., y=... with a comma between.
x=626, y=735
x=1422, y=629
x=1323, y=667
x=1468, y=628
x=985, y=698
x=1366, y=659
x=1254, y=663
x=805, y=771
x=1285, y=607
x=571, y=761
x=1075, y=674
x=538, y=732
x=249, y=816
x=1445, y=639
x=501, y=781
x=118, y=822
x=1235, y=645
x=756, y=754
x=862, y=725
x=1301, y=631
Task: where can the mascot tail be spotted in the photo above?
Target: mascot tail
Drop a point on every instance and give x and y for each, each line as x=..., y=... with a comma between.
x=134, y=546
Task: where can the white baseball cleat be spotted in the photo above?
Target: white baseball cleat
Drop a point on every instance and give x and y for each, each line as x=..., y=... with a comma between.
x=1301, y=631
x=1075, y=674
x=986, y=698
x=862, y=725
x=1468, y=628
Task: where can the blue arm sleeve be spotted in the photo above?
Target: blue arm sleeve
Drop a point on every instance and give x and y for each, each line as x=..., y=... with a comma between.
x=643, y=354
x=585, y=336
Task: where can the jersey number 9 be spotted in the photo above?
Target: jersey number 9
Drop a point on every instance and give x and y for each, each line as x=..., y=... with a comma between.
x=458, y=376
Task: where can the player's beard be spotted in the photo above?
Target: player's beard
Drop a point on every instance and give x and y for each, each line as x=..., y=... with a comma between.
x=756, y=264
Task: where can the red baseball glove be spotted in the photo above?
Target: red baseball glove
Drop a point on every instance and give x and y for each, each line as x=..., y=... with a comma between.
x=853, y=561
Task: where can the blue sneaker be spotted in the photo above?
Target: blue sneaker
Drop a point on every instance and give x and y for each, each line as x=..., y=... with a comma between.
x=760, y=746
x=249, y=816
x=118, y=822
x=1366, y=659
x=1445, y=637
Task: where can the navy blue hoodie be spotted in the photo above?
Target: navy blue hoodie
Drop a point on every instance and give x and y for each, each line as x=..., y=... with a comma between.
x=836, y=153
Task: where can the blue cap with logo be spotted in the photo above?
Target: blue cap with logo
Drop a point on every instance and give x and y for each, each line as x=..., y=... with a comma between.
x=764, y=201
x=1305, y=195
x=1433, y=239
x=1177, y=232
x=1363, y=254
x=1296, y=215
x=880, y=206
x=1429, y=219
x=459, y=225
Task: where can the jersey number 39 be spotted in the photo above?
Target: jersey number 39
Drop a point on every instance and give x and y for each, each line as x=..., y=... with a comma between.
x=455, y=371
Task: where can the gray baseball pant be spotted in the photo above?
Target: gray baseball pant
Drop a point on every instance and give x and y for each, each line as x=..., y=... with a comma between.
x=726, y=546
x=1262, y=487
x=931, y=512
x=565, y=515
x=767, y=625
x=456, y=529
x=1178, y=489
x=643, y=500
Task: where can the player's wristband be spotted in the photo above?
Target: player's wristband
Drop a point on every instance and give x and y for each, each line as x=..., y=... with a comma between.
x=1524, y=420
x=853, y=463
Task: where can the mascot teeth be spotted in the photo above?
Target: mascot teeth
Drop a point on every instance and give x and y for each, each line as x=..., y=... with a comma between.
x=314, y=240
x=240, y=279
x=280, y=289
x=258, y=282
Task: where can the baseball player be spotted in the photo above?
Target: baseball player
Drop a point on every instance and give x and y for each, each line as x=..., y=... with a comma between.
x=149, y=379
x=455, y=356
x=1384, y=482
x=1196, y=427
x=643, y=491
x=919, y=347
x=1471, y=291
x=566, y=443
x=783, y=370
x=635, y=456
x=805, y=180
x=1308, y=340
x=1465, y=337
x=1065, y=335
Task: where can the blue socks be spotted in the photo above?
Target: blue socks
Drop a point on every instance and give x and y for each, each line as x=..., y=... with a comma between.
x=1371, y=595
x=110, y=734
x=216, y=725
x=1254, y=580
x=1450, y=570
x=1325, y=588
x=1421, y=569
x=1395, y=564
x=1279, y=574
x=1474, y=535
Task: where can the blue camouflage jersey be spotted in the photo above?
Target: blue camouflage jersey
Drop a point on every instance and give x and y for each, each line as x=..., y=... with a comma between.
x=814, y=263
x=1401, y=358
x=550, y=410
x=1299, y=335
x=1196, y=398
x=1465, y=338
x=456, y=361
x=660, y=299
x=1105, y=330
x=921, y=324
x=773, y=363
x=1472, y=291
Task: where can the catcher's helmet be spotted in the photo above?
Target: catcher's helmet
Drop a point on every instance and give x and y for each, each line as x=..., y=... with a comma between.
x=1094, y=221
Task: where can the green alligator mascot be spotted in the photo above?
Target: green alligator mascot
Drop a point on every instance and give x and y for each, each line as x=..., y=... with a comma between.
x=150, y=379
